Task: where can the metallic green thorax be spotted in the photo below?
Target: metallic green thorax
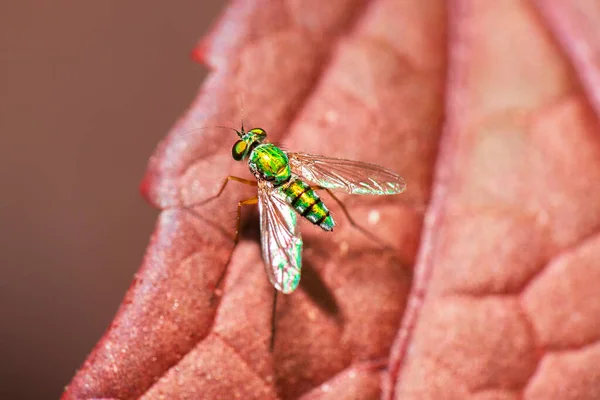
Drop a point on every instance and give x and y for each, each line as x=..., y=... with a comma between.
x=270, y=163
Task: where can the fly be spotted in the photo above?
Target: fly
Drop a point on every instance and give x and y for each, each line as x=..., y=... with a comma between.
x=287, y=189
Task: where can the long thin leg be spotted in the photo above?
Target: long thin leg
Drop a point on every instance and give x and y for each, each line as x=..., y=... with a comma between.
x=273, y=314
x=364, y=231
x=223, y=186
x=190, y=207
x=236, y=239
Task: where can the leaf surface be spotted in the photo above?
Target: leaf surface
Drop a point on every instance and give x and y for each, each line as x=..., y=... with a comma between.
x=489, y=112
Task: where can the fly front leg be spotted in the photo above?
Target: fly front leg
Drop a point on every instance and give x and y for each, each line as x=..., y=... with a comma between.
x=354, y=224
x=236, y=239
x=223, y=186
x=190, y=207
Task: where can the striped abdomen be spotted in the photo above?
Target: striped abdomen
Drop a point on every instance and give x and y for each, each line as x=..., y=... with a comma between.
x=308, y=204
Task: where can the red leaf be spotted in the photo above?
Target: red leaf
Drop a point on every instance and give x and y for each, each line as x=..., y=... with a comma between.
x=502, y=303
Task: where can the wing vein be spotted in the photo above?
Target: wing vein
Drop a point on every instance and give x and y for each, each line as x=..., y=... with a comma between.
x=353, y=177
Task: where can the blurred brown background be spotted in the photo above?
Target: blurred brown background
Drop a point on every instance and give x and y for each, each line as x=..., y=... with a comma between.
x=87, y=90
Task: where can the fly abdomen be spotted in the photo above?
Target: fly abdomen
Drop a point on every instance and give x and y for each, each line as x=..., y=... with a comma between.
x=308, y=204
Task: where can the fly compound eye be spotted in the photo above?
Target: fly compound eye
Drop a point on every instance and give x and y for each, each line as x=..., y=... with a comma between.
x=238, y=150
x=260, y=133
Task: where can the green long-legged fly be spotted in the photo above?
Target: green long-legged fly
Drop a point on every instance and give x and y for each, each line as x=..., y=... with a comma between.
x=286, y=184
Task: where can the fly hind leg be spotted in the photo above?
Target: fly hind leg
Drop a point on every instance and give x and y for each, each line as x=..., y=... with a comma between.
x=354, y=224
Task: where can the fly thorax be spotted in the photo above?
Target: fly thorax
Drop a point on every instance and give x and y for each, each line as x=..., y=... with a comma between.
x=270, y=163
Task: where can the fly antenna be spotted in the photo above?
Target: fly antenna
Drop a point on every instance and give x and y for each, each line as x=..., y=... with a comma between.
x=242, y=101
x=233, y=129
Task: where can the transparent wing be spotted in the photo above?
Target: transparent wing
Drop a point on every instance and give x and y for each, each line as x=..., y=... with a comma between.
x=353, y=177
x=280, y=239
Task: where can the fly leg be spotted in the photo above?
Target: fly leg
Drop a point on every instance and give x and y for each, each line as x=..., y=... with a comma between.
x=190, y=207
x=273, y=315
x=236, y=239
x=223, y=186
x=354, y=224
